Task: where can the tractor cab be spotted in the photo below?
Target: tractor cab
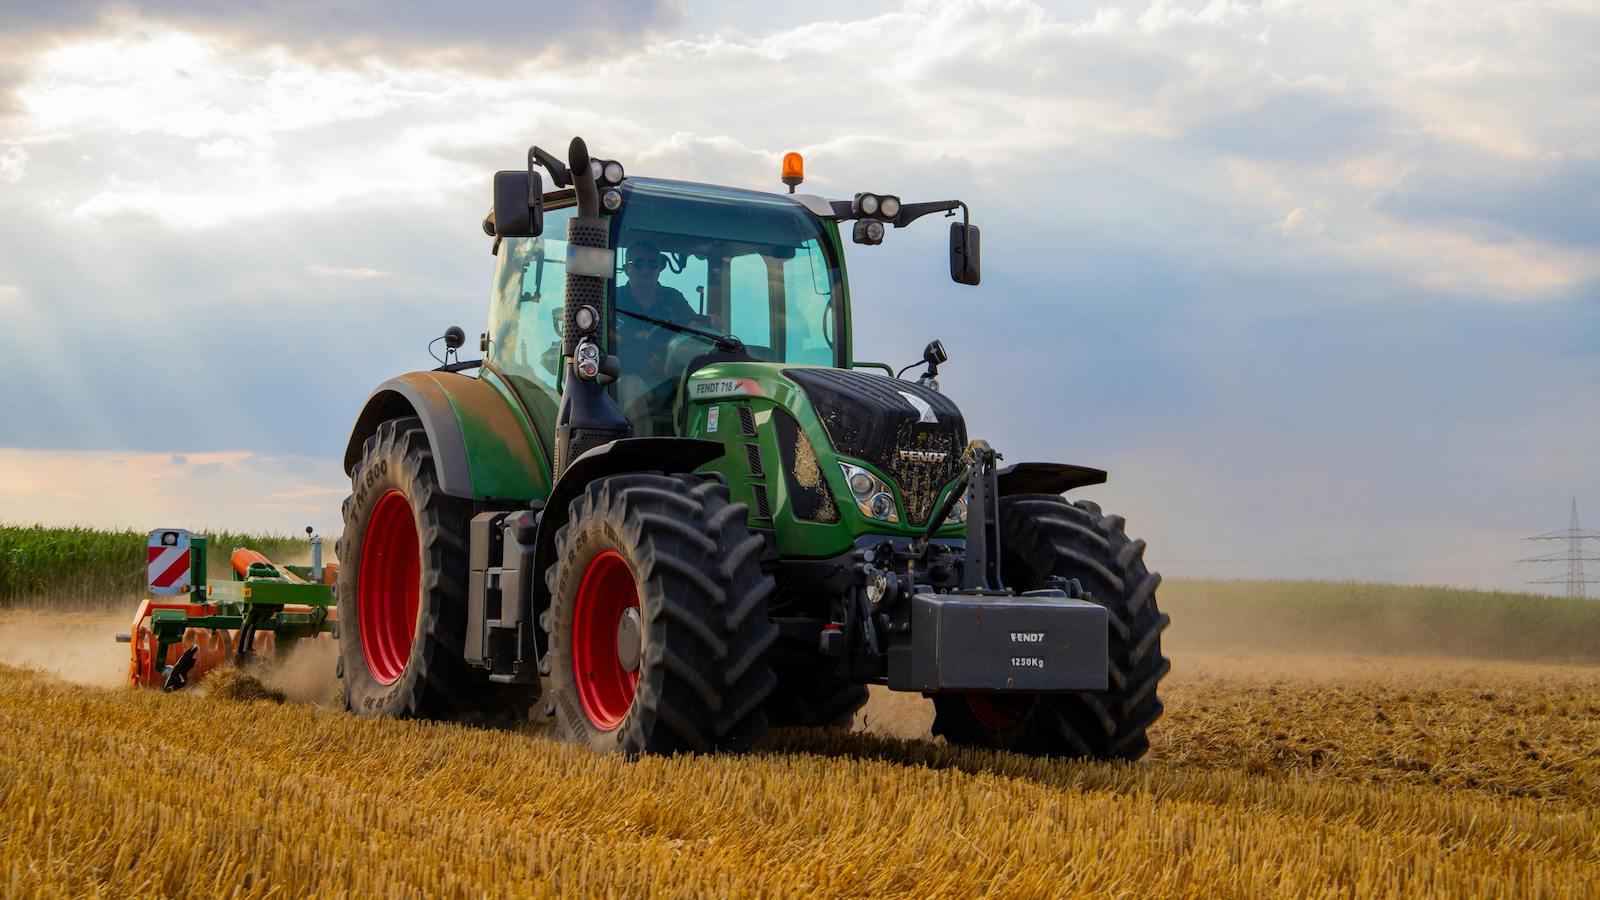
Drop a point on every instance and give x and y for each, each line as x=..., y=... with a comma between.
x=701, y=273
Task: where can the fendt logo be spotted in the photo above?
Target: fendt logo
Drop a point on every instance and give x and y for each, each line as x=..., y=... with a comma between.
x=924, y=456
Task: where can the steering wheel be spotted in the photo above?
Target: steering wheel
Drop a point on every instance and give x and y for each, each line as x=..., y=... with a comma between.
x=682, y=350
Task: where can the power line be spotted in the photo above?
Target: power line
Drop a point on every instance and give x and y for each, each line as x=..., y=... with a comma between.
x=1575, y=556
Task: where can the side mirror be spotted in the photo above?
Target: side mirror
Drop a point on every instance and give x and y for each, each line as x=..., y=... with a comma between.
x=964, y=267
x=518, y=204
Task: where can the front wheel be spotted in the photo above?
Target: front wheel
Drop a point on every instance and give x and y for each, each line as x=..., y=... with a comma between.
x=1044, y=535
x=658, y=625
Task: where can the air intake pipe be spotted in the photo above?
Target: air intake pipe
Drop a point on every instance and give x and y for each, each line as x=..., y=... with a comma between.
x=588, y=417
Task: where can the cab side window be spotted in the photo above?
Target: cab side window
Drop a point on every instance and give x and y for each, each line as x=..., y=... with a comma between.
x=530, y=291
x=753, y=303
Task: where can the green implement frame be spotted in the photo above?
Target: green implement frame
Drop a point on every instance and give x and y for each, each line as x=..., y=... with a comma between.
x=262, y=597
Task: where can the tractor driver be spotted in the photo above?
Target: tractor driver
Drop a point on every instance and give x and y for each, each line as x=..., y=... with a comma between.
x=641, y=345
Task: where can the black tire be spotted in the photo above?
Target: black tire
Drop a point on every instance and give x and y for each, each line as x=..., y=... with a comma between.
x=694, y=569
x=1045, y=535
x=435, y=682
x=805, y=700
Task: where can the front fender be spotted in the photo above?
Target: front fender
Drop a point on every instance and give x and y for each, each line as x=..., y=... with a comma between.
x=1046, y=478
x=668, y=455
x=482, y=450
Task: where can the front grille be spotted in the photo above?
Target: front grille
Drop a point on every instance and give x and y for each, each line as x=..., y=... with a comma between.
x=752, y=460
x=872, y=417
x=747, y=421
x=763, y=503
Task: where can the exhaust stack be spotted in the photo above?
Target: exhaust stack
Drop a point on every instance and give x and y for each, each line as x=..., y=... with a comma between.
x=588, y=416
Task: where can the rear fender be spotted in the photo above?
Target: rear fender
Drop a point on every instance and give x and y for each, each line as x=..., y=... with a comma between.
x=1046, y=478
x=482, y=450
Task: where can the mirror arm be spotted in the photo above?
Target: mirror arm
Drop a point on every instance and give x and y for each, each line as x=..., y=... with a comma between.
x=911, y=212
x=560, y=175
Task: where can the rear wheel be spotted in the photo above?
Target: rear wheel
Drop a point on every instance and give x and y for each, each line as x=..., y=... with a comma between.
x=658, y=626
x=1045, y=535
x=402, y=590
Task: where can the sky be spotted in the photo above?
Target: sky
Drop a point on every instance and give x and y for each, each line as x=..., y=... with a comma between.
x=1319, y=284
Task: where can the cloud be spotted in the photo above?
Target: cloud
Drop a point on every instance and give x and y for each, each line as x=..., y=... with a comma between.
x=1251, y=251
x=360, y=273
x=13, y=164
x=469, y=34
x=238, y=490
x=1556, y=200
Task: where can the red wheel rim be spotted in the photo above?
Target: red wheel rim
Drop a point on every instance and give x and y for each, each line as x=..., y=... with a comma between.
x=605, y=593
x=388, y=591
x=1000, y=712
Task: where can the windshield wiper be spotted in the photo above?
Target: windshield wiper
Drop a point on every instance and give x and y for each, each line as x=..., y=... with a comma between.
x=724, y=342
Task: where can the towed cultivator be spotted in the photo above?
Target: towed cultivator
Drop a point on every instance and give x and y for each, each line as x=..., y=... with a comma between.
x=188, y=625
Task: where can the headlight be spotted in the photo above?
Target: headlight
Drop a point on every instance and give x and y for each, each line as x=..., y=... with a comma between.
x=867, y=204
x=958, y=513
x=861, y=484
x=872, y=496
x=889, y=206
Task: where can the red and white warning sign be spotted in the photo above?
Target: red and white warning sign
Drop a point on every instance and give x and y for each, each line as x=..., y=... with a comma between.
x=169, y=561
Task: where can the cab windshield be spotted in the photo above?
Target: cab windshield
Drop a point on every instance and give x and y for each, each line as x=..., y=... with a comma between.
x=722, y=262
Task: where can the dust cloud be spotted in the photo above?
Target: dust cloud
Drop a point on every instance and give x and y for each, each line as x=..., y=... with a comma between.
x=307, y=674
x=81, y=647
x=78, y=646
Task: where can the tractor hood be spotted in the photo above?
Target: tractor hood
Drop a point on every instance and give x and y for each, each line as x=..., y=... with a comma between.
x=795, y=424
x=910, y=433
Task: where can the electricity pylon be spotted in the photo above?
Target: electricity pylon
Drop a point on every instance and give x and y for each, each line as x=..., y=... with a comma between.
x=1574, y=556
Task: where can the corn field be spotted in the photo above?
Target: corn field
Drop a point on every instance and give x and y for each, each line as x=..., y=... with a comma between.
x=90, y=567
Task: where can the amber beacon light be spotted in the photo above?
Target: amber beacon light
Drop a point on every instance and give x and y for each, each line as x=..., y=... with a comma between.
x=794, y=170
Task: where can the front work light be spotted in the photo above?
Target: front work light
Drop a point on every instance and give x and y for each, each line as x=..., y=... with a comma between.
x=866, y=204
x=612, y=172
x=867, y=231
x=889, y=206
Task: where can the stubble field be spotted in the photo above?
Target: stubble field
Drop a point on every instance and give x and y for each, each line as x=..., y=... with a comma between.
x=1275, y=772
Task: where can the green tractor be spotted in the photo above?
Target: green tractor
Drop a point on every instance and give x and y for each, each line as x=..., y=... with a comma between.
x=670, y=503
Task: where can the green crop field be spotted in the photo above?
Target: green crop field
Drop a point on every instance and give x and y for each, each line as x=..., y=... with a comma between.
x=1382, y=618
x=89, y=567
